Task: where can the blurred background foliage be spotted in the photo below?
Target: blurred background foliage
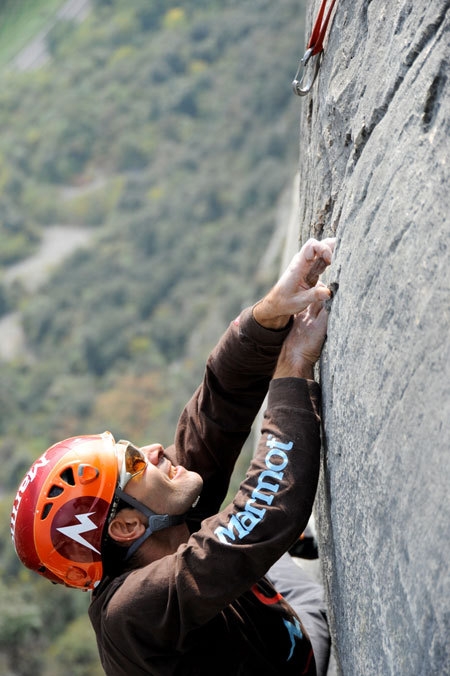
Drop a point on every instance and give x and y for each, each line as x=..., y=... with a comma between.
x=166, y=133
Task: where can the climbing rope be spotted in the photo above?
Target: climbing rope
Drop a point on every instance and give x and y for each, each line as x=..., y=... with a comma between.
x=314, y=50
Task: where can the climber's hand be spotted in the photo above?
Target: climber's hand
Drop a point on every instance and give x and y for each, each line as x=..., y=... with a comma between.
x=303, y=346
x=298, y=286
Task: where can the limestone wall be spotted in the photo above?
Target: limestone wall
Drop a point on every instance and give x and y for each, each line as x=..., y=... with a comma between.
x=374, y=170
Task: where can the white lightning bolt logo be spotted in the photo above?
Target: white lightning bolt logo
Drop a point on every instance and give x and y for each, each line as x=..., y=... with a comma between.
x=74, y=532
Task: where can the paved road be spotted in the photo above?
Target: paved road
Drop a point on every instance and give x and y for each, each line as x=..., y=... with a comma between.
x=58, y=242
x=35, y=54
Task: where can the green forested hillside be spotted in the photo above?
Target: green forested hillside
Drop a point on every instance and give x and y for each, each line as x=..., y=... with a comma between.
x=170, y=132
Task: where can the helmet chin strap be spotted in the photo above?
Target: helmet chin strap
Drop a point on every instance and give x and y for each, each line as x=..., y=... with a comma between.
x=155, y=521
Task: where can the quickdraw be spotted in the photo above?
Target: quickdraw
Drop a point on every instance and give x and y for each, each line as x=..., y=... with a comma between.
x=314, y=51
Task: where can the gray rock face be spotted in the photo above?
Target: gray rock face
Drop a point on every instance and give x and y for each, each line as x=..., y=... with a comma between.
x=375, y=156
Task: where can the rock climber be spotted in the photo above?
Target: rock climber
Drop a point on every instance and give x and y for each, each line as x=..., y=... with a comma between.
x=180, y=583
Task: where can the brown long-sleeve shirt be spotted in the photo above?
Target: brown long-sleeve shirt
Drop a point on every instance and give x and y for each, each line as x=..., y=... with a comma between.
x=207, y=609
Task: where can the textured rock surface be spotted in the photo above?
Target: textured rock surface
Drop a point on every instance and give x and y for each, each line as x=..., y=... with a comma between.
x=375, y=154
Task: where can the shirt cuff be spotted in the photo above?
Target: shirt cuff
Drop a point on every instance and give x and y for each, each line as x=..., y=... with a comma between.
x=301, y=393
x=249, y=327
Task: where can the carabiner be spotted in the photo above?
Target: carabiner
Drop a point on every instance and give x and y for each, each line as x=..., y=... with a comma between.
x=297, y=83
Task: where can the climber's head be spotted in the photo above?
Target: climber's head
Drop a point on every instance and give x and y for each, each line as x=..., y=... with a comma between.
x=70, y=502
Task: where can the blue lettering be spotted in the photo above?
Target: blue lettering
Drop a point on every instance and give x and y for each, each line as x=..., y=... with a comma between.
x=276, y=443
x=266, y=485
x=250, y=508
x=279, y=466
x=256, y=495
x=242, y=523
x=294, y=631
x=221, y=532
x=248, y=520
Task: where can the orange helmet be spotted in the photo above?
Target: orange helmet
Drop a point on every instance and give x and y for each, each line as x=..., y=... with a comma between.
x=61, y=509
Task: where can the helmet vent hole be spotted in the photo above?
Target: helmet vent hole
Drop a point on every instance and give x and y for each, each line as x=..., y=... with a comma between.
x=68, y=477
x=55, y=491
x=46, y=510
